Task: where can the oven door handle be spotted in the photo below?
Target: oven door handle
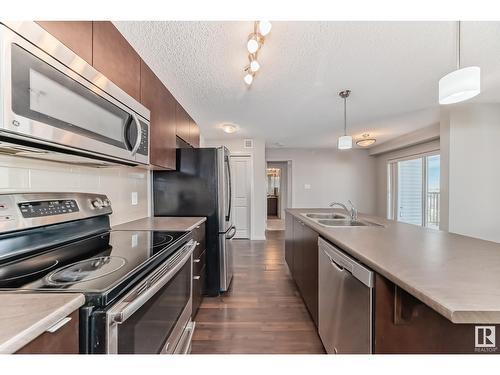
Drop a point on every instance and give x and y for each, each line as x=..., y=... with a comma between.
x=127, y=308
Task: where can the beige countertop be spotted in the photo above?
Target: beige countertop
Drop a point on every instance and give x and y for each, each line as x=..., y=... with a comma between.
x=25, y=316
x=457, y=276
x=162, y=223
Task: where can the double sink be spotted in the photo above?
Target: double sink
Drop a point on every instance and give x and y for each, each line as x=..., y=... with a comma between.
x=337, y=220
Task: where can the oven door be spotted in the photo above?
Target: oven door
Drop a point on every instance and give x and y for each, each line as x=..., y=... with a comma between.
x=47, y=103
x=155, y=316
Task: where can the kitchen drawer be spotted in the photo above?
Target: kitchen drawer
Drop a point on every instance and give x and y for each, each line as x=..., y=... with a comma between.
x=199, y=263
x=199, y=237
x=64, y=340
x=198, y=290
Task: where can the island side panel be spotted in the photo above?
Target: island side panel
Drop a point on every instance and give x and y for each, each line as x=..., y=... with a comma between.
x=405, y=325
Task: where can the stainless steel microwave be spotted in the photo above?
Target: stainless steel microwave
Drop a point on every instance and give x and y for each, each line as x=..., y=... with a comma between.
x=53, y=102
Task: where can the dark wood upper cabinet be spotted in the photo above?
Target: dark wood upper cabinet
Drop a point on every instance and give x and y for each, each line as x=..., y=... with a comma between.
x=182, y=121
x=76, y=35
x=194, y=134
x=114, y=57
x=156, y=97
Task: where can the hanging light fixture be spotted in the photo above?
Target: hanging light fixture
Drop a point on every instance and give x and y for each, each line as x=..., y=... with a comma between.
x=461, y=84
x=345, y=142
x=254, y=43
x=366, y=140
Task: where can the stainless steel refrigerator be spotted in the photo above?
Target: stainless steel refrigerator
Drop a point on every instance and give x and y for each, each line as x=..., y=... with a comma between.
x=201, y=186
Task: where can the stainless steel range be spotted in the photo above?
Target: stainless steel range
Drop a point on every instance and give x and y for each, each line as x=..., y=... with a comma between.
x=137, y=284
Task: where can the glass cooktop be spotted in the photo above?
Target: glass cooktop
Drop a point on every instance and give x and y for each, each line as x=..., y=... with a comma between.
x=91, y=265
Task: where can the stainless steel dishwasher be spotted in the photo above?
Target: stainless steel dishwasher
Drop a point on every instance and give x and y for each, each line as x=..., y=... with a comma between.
x=345, y=302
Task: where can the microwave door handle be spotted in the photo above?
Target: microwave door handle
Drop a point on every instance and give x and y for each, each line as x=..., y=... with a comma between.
x=139, y=134
x=125, y=310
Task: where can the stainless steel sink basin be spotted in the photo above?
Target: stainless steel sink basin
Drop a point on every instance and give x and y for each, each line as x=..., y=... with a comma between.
x=326, y=216
x=346, y=223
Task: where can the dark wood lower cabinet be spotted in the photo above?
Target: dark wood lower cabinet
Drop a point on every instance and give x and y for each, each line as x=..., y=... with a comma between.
x=405, y=325
x=63, y=341
x=301, y=254
x=199, y=267
x=289, y=241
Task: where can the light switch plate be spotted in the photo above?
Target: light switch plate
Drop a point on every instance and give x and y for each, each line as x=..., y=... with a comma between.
x=307, y=186
x=134, y=198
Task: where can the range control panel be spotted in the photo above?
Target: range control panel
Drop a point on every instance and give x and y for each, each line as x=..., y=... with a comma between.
x=48, y=208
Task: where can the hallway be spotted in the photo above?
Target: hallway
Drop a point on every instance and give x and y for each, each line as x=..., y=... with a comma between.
x=262, y=313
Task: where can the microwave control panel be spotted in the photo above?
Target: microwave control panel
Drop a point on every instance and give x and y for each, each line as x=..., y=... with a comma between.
x=143, y=148
x=48, y=208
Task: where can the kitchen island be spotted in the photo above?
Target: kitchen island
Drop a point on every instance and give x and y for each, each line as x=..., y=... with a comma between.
x=431, y=287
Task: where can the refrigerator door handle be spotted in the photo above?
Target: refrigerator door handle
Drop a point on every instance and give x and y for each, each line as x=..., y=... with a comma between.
x=230, y=235
x=230, y=193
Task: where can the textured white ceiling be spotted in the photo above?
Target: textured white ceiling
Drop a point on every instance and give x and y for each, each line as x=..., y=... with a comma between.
x=392, y=68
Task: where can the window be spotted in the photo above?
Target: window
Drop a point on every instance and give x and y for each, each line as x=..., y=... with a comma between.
x=413, y=190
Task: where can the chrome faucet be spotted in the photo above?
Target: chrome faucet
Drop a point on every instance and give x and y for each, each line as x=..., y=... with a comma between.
x=353, y=212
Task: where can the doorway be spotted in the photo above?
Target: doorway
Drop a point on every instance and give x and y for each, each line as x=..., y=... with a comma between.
x=241, y=180
x=277, y=175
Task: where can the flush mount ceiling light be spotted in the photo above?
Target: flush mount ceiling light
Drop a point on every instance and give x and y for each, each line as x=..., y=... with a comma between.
x=229, y=128
x=366, y=140
x=254, y=43
x=461, y=84
x=345, y=142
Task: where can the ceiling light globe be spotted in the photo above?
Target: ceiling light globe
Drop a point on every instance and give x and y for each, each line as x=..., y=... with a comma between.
x=254, y=66
x=264, y=27
x=252, y=45
x=248, y=79
x=460, y=85
x=229, y=128
x=344, y=142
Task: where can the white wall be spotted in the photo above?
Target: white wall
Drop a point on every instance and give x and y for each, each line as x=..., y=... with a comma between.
x=332, y=175
x=29, y=175
x=472, y=133
x=258, y=210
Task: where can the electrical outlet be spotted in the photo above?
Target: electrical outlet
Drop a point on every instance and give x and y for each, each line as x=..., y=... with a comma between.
x=307, y=187
x=134, y=198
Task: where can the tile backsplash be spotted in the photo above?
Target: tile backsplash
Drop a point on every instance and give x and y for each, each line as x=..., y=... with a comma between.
x=118, y=183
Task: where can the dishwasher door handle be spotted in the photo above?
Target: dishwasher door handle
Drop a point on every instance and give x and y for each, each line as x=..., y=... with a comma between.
x=336, y=265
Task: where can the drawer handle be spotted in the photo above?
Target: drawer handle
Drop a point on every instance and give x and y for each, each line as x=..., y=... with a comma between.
x=197, y=260
x=197, y=243
x=198, y=227
x=196, y=277
x=58, y=325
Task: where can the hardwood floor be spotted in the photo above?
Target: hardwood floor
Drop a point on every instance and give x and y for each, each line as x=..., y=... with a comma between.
x=262, y=313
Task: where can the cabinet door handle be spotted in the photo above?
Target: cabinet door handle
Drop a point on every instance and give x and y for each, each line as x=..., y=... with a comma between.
x=197, y=243
x=196, y=277
x=197, y=260
x=58, y=325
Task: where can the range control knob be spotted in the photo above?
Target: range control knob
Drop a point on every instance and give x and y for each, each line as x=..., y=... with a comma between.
x=106, y=202
x=97, y=203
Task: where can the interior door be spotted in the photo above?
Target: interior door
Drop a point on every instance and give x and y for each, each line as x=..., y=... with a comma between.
x=241, y=182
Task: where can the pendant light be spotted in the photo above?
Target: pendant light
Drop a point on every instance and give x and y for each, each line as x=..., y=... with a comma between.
x=461, y=84
x=345, y=142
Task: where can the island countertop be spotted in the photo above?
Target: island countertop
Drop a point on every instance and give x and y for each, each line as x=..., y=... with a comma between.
x=162, y=223
x=457, y=276
x=25, y=316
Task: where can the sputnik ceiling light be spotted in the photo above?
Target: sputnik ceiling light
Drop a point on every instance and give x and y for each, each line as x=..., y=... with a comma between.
x=254, y=43
x=345, y=142
x=461, y=84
